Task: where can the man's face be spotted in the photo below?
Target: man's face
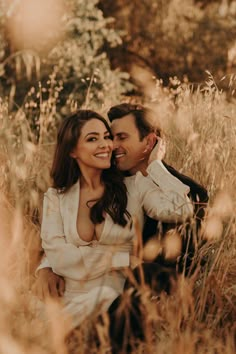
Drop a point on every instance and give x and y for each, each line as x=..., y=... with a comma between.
x=130, y=152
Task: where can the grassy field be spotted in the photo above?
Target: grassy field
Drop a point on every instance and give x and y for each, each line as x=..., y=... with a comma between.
x=200, y=127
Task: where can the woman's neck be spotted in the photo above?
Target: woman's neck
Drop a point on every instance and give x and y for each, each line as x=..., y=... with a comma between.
x=91, y=179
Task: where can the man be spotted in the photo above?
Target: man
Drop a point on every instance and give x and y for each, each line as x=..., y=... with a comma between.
x=130, y=125
x=133, y=142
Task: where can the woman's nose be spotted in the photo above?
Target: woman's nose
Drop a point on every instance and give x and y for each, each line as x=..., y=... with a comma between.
x=103, y=143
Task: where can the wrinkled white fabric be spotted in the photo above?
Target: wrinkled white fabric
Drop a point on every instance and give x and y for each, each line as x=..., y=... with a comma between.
x=93, y=271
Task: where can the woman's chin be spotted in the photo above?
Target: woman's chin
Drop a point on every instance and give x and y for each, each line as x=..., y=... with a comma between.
x=103, y=165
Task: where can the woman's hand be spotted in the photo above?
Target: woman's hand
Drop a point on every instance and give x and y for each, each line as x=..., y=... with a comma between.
x=158, y=151
x=134, y=261
x=48, y=284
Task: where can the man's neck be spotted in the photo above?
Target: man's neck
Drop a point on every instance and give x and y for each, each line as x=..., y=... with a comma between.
x=141, y=167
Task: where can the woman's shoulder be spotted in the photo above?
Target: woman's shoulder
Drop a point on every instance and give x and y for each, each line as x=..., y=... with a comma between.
x=52, y=193
x=60, y=193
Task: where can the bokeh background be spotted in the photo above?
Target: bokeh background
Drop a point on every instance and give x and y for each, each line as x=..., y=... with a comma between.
x=179, y=58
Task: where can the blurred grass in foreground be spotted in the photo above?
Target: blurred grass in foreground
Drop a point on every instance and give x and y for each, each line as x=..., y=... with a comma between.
x=200, y=127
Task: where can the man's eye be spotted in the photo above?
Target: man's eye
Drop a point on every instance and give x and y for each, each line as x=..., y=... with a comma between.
x=122, y=137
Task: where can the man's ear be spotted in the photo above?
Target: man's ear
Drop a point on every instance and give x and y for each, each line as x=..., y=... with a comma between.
x=151, y=141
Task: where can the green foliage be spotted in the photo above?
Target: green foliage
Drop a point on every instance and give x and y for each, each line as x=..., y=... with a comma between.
x=82, y=62
x=76, y=55
x=175, y=37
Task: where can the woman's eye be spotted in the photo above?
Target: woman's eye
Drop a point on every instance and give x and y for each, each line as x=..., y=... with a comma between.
x=92, y=139
x=108, y=137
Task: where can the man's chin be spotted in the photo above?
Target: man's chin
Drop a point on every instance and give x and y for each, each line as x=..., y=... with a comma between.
x=121, y=167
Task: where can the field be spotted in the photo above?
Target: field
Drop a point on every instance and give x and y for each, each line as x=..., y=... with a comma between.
x=200, y=317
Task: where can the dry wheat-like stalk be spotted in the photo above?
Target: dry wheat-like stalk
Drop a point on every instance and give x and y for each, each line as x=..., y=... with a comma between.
x=199, y=316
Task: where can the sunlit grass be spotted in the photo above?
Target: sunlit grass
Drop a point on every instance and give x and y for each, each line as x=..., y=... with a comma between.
x=200, y=316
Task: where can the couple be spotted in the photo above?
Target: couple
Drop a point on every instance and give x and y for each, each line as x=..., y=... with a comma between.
x=87, y=229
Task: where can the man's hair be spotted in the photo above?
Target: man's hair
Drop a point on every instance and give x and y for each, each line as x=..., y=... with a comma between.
x=144, y=117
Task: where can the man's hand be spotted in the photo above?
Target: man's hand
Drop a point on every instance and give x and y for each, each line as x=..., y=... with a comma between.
x=159, y=151
x=48, y=284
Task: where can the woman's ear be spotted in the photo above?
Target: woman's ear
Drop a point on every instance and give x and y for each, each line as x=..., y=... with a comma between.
x=73, y=155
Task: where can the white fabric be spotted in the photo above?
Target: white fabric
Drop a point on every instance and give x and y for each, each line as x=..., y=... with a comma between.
x=93, y=271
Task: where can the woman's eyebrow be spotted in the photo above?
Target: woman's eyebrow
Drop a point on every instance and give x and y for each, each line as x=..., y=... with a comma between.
x=92, y=133
x=96, y=133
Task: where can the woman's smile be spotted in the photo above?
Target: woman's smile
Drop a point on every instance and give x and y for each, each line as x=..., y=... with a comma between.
x=103, y=155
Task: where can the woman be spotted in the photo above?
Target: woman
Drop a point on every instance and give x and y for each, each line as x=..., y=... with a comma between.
x=87, y=231
x=85, y=228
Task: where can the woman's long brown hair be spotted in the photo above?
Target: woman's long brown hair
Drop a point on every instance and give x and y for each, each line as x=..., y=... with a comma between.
x=65, y=171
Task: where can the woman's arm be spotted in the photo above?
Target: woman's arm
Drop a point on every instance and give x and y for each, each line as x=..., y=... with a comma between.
x=163, y=196
x=66, y=259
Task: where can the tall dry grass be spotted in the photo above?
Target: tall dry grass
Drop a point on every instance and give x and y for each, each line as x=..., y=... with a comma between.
x=200, y=127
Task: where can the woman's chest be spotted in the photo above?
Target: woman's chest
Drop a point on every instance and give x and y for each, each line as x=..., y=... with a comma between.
x=79, y=229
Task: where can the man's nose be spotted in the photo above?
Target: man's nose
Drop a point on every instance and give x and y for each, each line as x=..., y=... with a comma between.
x=115, y=144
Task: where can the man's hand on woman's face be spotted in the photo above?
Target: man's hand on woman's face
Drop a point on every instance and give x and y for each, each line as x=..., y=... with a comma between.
x=48, y=284
x=158, y=151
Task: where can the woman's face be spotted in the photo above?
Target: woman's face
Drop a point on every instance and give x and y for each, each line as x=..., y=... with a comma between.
x=94, y=146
